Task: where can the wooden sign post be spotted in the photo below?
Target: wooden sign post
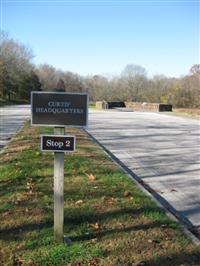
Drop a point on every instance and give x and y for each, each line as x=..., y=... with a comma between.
x=58, y=143
x=58, y=190
x=59, y=110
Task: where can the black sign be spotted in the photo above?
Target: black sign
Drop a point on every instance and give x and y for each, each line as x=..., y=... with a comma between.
x=57, y=143
x=59, y=109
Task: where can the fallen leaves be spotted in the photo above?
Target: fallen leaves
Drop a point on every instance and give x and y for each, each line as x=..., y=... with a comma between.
x=96, y=226
x=17, y=200
x=17, y=261
x=140, y=263
x=114, y=189
x=29, y=185
x=91, y=177
x=78, y=202
x=153, y=241
x=127, y=193
x=173, y=190
x=93, y=262
x=7, y=213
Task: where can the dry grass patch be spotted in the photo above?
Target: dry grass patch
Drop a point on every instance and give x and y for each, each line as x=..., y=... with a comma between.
x=188, y=112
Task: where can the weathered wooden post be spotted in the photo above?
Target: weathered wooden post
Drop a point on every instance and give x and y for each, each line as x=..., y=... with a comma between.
x=58, y=190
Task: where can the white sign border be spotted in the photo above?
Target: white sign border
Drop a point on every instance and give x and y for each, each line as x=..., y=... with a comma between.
x=48, y=135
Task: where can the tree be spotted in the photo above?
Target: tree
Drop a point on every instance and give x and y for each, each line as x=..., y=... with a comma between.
x=132, y=70
x=195, y=69
x=98, y=88
x=15, y=63
x=47, y=76
x=135, y=78
x=27, y=84
x=54, y=79
x=73, y=82
x=60, y=85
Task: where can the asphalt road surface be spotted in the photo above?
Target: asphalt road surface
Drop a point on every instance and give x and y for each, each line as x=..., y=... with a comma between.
x=161, y=150
x=11, y=120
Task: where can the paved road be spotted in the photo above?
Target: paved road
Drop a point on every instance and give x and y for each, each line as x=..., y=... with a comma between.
x=11, y=119
x=162, y=150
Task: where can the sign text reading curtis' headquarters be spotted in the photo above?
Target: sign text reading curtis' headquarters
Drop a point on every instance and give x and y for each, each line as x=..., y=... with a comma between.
x=59, y=109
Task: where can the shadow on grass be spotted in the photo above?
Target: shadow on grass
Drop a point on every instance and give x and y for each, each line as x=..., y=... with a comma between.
x=19, y=184
x=176, y=259
x=14, y=233
x=105, y=232
x=76, y=218
x=79, y=216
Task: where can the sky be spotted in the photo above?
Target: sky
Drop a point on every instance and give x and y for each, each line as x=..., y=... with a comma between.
x=101, y=37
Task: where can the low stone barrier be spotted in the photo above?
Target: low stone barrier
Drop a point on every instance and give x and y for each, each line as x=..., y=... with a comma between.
x=101, y=105
x=153, y=107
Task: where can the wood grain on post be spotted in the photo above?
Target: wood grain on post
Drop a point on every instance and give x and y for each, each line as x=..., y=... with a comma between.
x=58, y=190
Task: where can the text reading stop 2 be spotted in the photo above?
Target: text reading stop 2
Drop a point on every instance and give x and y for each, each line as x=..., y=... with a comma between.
x=58, y=143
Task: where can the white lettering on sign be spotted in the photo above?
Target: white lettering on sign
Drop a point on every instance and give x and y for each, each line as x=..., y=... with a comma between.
x=58, y=144
x=59, y=104
x=59, y=110
x=67, y=143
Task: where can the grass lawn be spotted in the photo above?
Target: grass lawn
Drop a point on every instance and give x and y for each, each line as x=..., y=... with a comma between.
x=108, y=219
x=92, y=105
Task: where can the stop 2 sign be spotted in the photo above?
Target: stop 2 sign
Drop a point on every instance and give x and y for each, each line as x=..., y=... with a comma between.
x=58, y=143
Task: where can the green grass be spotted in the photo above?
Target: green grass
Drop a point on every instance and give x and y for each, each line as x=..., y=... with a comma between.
x=108, y=219
x=92, y=105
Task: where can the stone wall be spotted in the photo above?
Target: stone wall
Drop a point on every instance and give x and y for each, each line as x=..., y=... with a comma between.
x=101, y=105
x=149, y=107
x=142, y=106
x=154, y=107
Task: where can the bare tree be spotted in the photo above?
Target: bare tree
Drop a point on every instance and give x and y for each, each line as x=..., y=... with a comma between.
x=73, y=82
x=195, y=69
x=47, y=76
x=135, y=78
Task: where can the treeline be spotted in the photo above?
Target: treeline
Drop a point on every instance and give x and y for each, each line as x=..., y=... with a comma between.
x=18, y=77
x=17, y=74
x=132, y=85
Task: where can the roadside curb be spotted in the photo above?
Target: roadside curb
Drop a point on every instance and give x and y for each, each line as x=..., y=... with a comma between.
x=186, y=226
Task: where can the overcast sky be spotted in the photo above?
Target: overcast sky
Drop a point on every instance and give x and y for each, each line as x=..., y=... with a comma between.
x=102, y=37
